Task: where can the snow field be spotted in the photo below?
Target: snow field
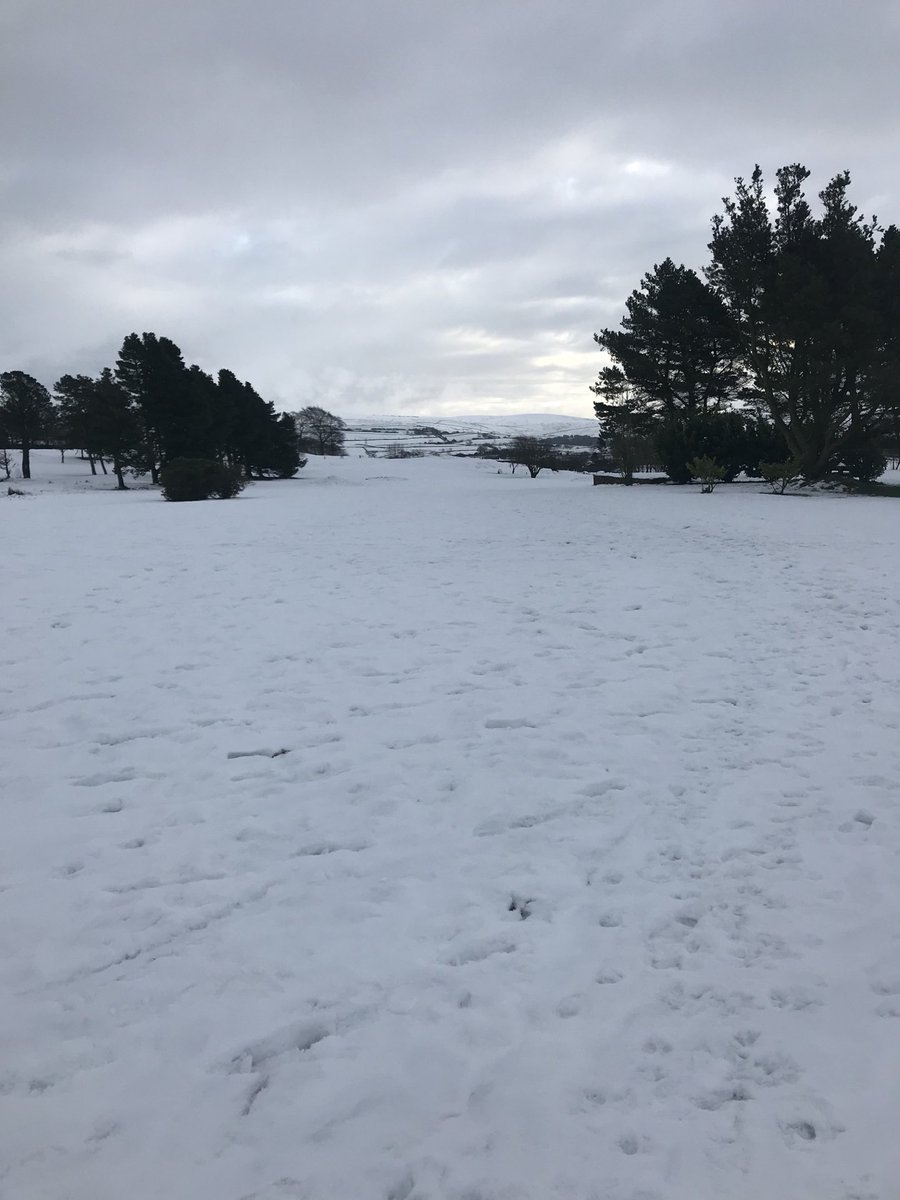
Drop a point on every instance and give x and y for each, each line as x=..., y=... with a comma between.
x=410, y=831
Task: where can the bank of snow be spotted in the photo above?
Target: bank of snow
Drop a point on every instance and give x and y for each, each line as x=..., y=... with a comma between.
x=409, y=830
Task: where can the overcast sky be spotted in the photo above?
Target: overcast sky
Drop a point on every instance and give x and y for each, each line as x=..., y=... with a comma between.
x=422, y=206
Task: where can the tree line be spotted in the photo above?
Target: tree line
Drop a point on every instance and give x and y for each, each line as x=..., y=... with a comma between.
x=148, y=411
x=786, y=351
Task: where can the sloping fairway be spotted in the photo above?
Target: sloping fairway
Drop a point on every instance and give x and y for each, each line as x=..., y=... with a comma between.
x=413, y=832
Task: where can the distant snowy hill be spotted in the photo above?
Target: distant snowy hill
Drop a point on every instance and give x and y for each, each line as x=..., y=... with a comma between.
x=506, y=425
x=453, y=435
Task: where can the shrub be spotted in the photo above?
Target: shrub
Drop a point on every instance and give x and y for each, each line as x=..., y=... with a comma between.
x=782, y=475
x=708, y=472
x=865, y=461
x=199, y=479
x=735, y=443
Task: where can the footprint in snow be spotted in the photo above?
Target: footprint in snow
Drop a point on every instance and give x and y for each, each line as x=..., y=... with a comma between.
x=479, y=951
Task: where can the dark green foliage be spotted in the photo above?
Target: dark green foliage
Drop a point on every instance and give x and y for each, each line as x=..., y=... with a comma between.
x=264, y=444
x=764, y=444
x=200, y=479
x=805, y=295
x=676, y=446
x=798, y=326
x=864, y=461
x=176, y=421
x=283, y=459
x=75, y=428
x=626, y=421
x=736, y=442
x=26, y=413
x=185, y=413
x=149, y=412
x=677, y=346
x=887, y=374
x=116, y=425
x=99, y=417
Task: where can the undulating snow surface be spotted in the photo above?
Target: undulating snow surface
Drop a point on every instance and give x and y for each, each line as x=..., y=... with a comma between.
x=414, y=832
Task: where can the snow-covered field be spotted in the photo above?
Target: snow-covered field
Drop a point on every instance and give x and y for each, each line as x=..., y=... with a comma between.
x=452, y=435
x=414, y=832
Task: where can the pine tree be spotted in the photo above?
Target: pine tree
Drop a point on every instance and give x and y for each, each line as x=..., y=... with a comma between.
x=75, y=414
x=26, y=413
x=117, y=424
x=173, y=404
x=626, y=421
x=802, y=291
x=677, y=345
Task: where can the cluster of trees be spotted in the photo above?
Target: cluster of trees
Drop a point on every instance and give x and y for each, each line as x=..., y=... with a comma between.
x=787, y=351
x=148, y=411
x=539, y=454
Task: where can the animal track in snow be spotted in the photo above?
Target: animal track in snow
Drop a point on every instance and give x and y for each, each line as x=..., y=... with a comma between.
x=521, y=905
x=300, y=1036
x=402, y=1190
x=715, y=1099
x=795, y=998
x=476, y=952
x=126, y=776
x=608, y=975
x=317, y=849
x=265, y=753
x=610, y=920
x=505, y=825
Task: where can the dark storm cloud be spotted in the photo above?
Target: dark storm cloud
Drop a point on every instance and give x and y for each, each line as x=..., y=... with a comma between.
x=401, y=203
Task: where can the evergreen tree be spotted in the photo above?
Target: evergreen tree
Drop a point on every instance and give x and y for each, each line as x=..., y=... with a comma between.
x=117, y=425
x=231, y=417
x=677, y=346
x=803, y=294
x=75, y=415
x=887, y=374
x=798, y=322
x=26, y=413
x=174, y=404
x=284, y=458
x=626, y=421
x=253, y=436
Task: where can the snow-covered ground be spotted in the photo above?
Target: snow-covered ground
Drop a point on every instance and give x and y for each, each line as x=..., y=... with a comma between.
x=410, y=831
x=543, y=425
x=452, y=435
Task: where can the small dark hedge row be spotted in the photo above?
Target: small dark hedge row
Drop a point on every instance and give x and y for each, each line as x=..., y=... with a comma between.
x=199, y=479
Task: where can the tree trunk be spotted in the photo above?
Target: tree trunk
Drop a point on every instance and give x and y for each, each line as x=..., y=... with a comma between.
x=62, y=455
x=93, y=464
x=120, y=481
x=26, y=459
x=103, y=465
x=154, y=474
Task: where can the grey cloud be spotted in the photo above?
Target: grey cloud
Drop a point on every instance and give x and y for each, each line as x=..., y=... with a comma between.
x=385, y=203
